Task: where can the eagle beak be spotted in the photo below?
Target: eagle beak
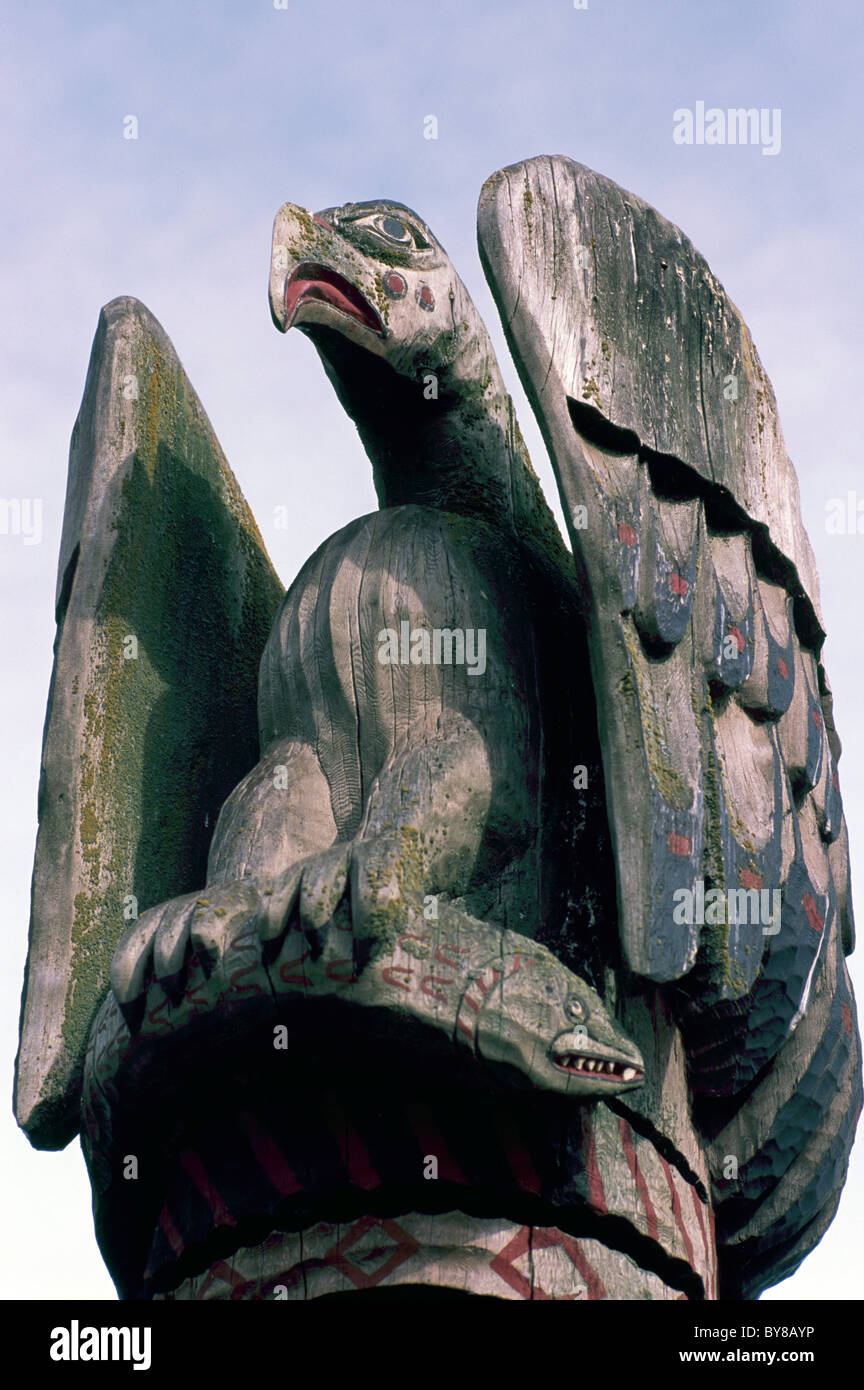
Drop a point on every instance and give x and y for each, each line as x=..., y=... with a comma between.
x=305, y=285
x=314, y=283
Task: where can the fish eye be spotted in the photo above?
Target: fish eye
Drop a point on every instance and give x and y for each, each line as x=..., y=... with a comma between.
x=392, y=230
x=575, y=1008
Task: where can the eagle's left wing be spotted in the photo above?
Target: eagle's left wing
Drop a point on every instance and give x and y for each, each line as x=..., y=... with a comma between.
x=715, y=718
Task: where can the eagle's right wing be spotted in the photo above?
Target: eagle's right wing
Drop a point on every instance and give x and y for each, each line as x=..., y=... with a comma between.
x=165, y=596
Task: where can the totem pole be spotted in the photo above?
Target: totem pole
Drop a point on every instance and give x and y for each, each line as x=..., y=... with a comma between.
x=470, y=919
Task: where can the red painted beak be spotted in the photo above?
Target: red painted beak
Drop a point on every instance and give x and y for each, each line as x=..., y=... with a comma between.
x=313, y=281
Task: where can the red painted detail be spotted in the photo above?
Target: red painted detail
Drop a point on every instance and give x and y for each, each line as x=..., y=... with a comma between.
x=404, y=1246
x=409, y=936
x=710, y=1254
x=739, y=637
x=269, y=1156
x=395, y=283
x=321, y=222
x=835, y=781
x=814, y=917
x=681, y=845
x=170, y=1232
x=332, y=973
x=677, y=1213
x=425, y=297
x=158, y=1025
x=596, y=1195
x=783, y=668
x=223, y=1273
x=712, y=1228
x=198, y=1173
x=627, y=535
x=434, y=993
x=253, y=987
x=451, y=964
x=312, y=281
x=517, y=962
x=431, y=1141
x=847, y=1019
x=678, y=584
x=482, y=985
x=360, y=1169
x=542, y=1238
x=390, y=973
x=248, y=937
x=288, y=974
x=748, y=879
x=515, y=1151
x=638, y=1177
x=816, y=717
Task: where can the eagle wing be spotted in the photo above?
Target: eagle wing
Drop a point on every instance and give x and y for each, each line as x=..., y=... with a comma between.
x=705, y=633
x=165, y=596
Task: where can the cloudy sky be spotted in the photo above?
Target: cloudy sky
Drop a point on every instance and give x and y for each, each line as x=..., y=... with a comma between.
x=241, y=105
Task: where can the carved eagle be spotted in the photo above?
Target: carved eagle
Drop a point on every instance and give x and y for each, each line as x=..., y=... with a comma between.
x=700, y=879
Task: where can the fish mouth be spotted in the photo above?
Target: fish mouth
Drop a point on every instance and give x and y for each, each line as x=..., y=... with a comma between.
x=313, y=282
x=597, y=1069
x=568, y=1054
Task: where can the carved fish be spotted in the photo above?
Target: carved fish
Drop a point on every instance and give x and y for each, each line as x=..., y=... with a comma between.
x=498, y=995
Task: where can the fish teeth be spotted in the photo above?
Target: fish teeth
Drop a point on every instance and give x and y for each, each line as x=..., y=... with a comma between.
x=597, y=1066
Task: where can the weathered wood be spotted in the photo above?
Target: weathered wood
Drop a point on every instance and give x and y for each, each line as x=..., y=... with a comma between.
x=491, y=1258
x=402, y=982
x=312, y=892
x=652, y=401
x=681, y=373
x=151, y=718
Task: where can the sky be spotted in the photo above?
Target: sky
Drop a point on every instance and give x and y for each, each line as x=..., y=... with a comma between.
x=240, y=106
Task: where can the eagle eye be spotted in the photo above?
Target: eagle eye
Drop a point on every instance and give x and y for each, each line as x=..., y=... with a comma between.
x=396, y=231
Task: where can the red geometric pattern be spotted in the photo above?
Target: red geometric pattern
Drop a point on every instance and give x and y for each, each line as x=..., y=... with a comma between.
x=638, y=1177
x=403, y=1247
x=539, y=1263
x=543, y=1238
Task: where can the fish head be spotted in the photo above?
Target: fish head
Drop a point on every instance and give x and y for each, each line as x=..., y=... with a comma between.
x=551, y=1025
